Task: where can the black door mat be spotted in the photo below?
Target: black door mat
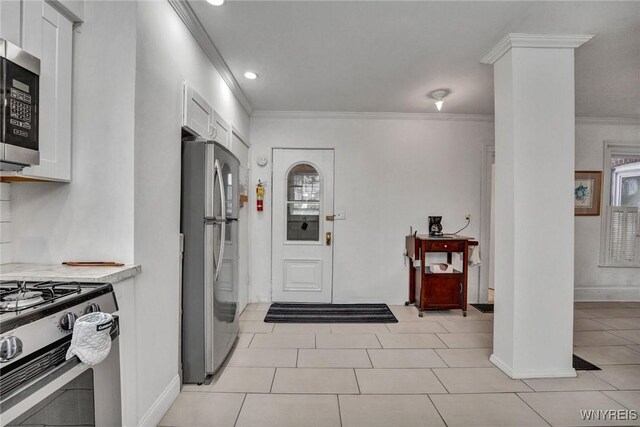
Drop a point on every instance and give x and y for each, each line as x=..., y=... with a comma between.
x=485, y=308
x=579, y=364
x=330, y=313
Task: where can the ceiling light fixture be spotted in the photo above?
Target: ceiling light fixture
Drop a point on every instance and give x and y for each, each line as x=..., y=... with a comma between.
x=439, y=95
x=216, y=2
x=251, y=75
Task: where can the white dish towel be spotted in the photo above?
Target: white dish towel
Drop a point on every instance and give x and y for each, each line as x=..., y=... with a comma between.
x=91, y=340
x=474, y=256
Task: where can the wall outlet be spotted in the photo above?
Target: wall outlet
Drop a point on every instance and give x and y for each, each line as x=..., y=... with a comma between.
x=467, y=217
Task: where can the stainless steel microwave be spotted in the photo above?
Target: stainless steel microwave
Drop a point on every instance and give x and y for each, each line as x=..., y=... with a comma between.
x=19, y=81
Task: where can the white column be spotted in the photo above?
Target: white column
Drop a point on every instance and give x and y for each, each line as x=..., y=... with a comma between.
x=534, y=217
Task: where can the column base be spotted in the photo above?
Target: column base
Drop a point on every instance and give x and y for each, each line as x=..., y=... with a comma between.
x=519, y=375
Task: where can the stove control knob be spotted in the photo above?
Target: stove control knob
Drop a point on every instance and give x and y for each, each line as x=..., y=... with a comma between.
x=67, y=321
x=92, y=308
x=10, y=347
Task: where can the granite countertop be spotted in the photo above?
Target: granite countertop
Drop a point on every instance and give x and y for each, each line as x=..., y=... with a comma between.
x=59, y=272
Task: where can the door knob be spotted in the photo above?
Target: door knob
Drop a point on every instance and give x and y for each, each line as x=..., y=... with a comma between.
x=328, y=238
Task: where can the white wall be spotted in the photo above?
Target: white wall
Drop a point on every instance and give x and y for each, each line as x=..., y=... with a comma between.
x=363, y=145
x=389, y=174
x=242, y=152
x=6, y=245
x=593, y=282
x=166, y=56
x=90, y=218
x=126, y=145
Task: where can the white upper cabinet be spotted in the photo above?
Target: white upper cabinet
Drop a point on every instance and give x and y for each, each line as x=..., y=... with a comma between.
x=197, y=114
x=222, y=132
x=48, y=35
x=41, y=30
x=240, y=147
x=199, y=118
x=31, y=29
x=10, y=18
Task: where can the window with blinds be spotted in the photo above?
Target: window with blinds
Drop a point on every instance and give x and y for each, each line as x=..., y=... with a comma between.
x=621, y=221
x=624, y=241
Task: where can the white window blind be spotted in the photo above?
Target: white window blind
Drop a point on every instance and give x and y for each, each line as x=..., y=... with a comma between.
x=620, y=226
x=624, y=236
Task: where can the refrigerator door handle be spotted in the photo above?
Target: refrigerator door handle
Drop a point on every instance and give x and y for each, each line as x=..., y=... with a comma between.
x=223, y=210
x=221, y=256
x=222, y=219
x=216, y=220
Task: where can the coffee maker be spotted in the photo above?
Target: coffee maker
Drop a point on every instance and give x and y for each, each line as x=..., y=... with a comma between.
x=435, y=226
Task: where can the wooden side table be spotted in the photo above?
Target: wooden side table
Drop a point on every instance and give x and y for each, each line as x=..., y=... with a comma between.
x=438, y=291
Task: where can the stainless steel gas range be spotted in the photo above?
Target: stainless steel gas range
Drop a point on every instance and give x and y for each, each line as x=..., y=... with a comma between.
x=37, y=385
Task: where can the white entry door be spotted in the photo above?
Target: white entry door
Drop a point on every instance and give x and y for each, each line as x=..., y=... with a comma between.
x=302, y=226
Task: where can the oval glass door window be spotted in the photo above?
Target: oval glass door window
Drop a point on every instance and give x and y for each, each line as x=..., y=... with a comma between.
x=303, y=203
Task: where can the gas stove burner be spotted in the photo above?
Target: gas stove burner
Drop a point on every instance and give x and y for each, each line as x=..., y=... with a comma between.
x=21, y=299
x=23, y=295
x=16, y=296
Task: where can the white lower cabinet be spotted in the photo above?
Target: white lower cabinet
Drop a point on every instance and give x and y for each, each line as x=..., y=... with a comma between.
x=125, y=295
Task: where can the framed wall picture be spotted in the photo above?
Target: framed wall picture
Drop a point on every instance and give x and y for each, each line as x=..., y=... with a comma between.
x=587, y=191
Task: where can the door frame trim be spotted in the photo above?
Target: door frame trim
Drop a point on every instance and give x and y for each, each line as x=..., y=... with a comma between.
x=488, y=159
x=272, y=210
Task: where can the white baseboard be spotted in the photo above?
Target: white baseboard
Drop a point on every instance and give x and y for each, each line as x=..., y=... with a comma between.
x=501, y=365
x=607, y=293
x=162, y=404
x=563, y=373
x=259, y=299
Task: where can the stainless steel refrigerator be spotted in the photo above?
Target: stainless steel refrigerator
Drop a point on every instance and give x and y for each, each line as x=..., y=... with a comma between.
x=209, y=222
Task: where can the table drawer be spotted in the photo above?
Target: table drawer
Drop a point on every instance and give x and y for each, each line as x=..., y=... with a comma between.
x=445, y=246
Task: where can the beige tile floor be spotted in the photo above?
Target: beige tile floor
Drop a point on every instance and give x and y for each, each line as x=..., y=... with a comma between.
x=431, y=371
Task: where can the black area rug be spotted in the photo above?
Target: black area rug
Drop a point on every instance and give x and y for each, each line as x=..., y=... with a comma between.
x=485, y=308
x=579, y=364
x=330, y=313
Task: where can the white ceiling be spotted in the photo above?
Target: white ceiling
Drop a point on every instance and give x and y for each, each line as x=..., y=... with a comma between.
x=385, y=56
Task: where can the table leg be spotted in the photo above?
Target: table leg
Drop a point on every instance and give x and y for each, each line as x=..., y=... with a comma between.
x=422, y=298
x=412, y=284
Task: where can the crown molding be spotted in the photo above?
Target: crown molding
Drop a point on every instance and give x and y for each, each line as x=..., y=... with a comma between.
x=552, y=41
x=265, y=114
x=268, y=114
x=193, y=24
x=620, y=121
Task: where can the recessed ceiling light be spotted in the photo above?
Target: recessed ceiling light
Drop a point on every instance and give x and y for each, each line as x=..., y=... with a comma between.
x=216, y=2
x=251, y=75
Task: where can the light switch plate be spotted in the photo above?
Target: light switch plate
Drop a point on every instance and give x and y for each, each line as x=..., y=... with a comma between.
x=340, y=215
